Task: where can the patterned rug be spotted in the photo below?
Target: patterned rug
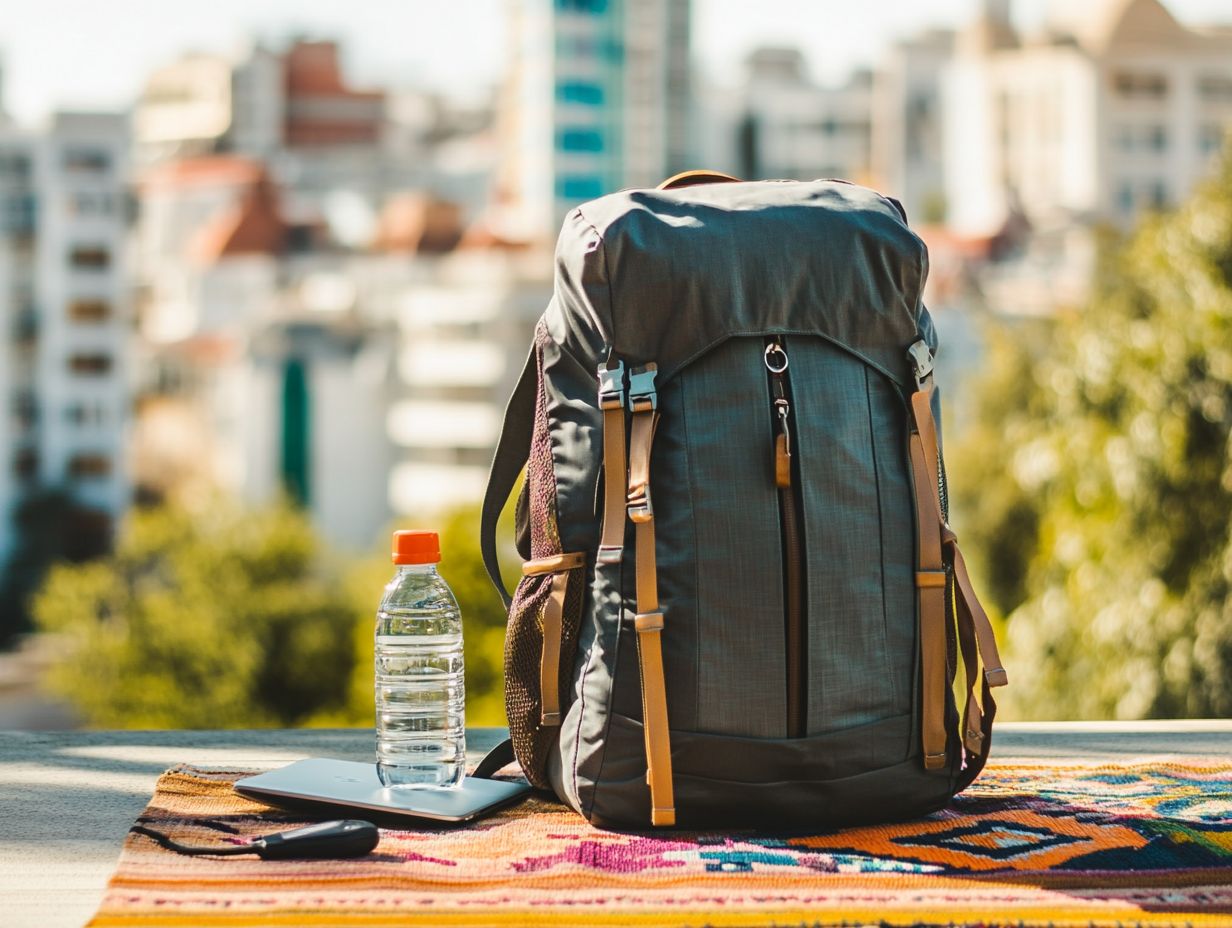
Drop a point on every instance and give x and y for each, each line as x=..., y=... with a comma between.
x=1148, y=843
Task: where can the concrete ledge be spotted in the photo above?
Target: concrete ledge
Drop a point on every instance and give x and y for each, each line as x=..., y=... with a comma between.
x=67, y=798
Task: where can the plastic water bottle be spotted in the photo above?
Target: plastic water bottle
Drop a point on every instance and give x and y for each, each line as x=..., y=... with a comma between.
x=420, y=691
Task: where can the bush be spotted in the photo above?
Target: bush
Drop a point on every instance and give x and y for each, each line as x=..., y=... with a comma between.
x=1106, y=516
x=225, y=618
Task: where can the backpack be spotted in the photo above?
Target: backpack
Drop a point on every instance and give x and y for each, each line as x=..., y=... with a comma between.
x=741, y=603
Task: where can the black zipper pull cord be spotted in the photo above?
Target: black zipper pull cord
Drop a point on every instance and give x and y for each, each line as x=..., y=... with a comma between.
x=348, y=838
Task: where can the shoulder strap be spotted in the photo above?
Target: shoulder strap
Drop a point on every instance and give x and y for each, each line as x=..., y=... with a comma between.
x=512, y=451
x=495, y=760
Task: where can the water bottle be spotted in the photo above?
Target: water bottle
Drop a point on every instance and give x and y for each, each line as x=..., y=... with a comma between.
x=420, y=693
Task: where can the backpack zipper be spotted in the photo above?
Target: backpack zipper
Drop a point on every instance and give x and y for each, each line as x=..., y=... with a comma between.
x=793, y=546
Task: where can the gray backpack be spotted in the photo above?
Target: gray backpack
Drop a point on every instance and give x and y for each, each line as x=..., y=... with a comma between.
x=741, y=603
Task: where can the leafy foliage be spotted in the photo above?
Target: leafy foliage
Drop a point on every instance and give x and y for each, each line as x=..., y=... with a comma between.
x=1105, y=520
x=210, y=618
x=50, y=526
x=220, y=617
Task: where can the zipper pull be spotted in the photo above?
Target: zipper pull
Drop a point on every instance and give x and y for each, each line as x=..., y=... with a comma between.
x=782, y=447
x=776, y=364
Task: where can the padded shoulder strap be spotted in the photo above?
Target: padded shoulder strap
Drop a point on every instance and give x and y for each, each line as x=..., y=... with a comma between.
x=512, y=451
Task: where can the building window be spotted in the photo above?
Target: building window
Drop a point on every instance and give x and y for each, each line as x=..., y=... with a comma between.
x=18, y=214
x=90, y=364
x=86, y=310
x=1159, y=194
x=580, y=140
x=89, y=257
x=89, y=204
x=1215, y=87
x=579, y=187
x=582, y=6
x=25, y=326
x=1210, y=138
x=25, y=408
x=1140, y=85
x=89, y=465
x=1125, y=197
x=26, y=463
x=580, y=92
x=1148, y=138
x=14, y=166
x=84, y=413
x=86, y=160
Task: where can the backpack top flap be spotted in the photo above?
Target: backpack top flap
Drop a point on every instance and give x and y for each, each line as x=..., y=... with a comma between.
x=665, y=275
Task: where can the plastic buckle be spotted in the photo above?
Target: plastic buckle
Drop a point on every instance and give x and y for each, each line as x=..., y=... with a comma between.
x=639, y=506
x=922, y=363
x=612, y=386
x=648, y=621
x=643, y=397
x=609, y=554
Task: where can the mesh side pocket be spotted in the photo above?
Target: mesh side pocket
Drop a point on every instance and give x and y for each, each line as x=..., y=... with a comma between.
x=533, y=740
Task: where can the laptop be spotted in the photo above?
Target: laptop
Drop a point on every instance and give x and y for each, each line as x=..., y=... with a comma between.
x=343, y=785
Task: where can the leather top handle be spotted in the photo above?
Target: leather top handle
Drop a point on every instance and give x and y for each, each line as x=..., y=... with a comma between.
x=693, y=178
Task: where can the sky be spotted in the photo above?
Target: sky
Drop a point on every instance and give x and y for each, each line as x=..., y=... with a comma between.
x=89, y=54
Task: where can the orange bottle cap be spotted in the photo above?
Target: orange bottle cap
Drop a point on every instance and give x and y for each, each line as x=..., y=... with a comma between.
x=416, y=547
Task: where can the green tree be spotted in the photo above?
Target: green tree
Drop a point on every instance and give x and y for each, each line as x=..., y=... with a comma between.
x=209, y=618
x=221, y=617
x=1104, y=518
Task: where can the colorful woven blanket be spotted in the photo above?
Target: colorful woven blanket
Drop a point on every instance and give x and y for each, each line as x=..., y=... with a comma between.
x=1147, y=843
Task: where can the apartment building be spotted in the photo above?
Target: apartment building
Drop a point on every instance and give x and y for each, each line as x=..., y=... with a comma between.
x=363, y=383
x=791, y=127
x=598, y=98
x=64, y=214
x=255, y=103
x=337, y=151
x=908, y=123
x=1114, y=108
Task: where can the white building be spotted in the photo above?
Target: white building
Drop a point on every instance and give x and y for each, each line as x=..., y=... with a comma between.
x=463, y=332
x=908, y=117
x=336, y=151
x=364, y=383
x=791, y=127
x=1113, y=109
x=598, y=99
x=64, y=303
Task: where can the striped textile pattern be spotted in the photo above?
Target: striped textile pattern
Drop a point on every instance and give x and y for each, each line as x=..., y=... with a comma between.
x=1031, y=844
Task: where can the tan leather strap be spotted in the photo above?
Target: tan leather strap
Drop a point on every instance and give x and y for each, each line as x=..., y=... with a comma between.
x=549, y=657
x=978, y=645
x=975, y=635
x=693, y=178
x=649, y=620
x=612, y=402
x=930, y=601
x=922, y=415
x=994, y=672
x=547, y=565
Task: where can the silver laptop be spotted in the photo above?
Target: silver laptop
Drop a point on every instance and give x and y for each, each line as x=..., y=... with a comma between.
x=344, y=784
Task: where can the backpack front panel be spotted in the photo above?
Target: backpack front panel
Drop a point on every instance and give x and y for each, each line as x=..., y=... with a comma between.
x=719, y=551
x=720, y=557
x=859, y=537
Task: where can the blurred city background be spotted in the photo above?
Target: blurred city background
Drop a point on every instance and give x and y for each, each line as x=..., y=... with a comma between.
x=267, y=276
